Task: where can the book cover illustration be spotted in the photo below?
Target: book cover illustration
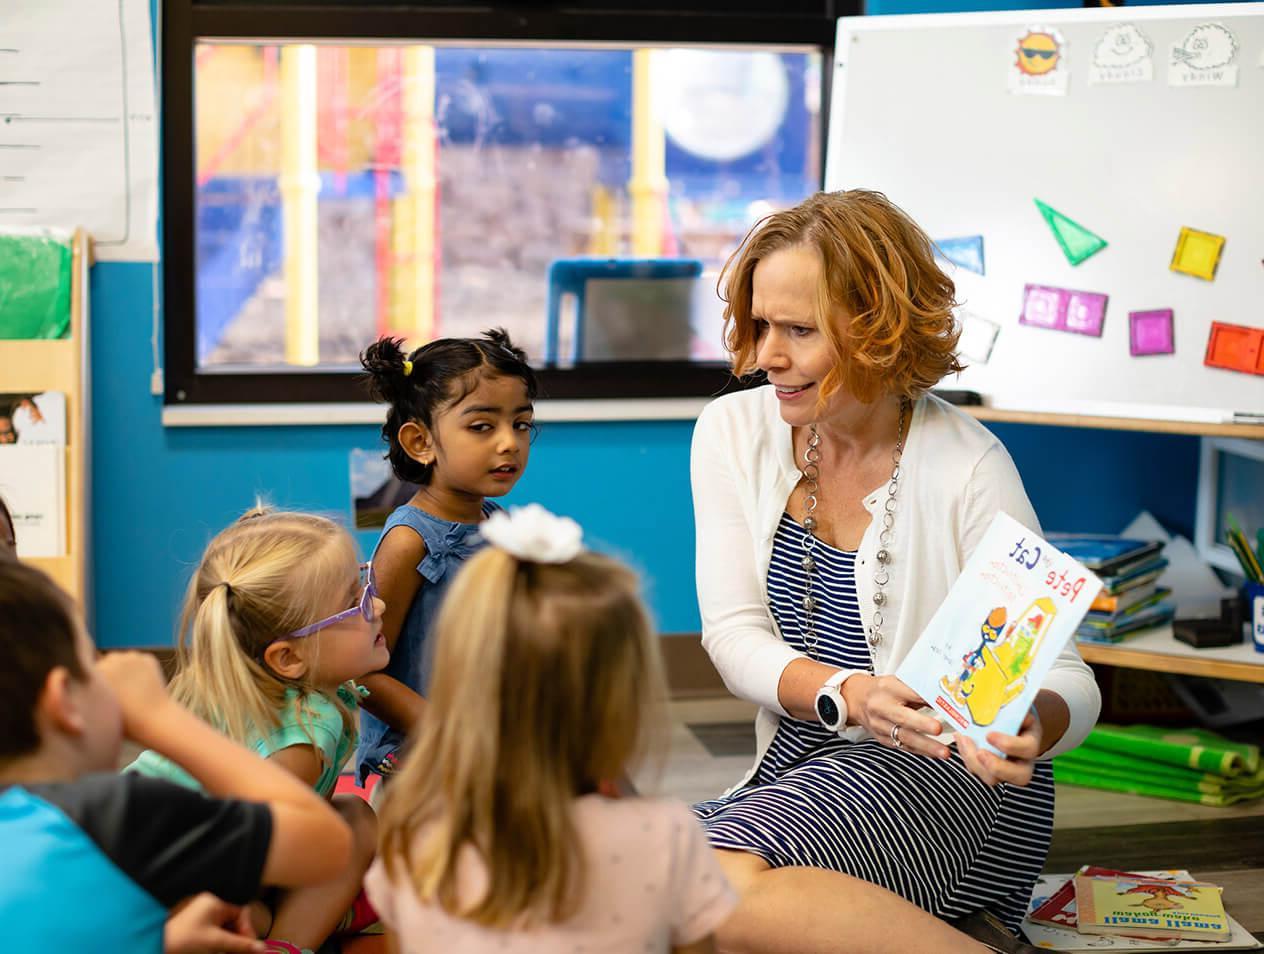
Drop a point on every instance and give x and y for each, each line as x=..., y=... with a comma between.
x=1065, y=937
x=1058, y=909
x=987, y=649
x=1150, y=908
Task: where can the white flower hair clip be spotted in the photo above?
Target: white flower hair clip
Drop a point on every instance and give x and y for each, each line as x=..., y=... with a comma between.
x=532, y=533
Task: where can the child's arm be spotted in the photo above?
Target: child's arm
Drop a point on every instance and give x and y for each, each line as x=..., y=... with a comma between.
x=392, y=701
x=395, y=568
x=310, y=843
x=301, y=761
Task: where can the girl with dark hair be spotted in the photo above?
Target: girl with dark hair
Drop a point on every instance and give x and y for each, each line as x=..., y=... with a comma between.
x=459, y=426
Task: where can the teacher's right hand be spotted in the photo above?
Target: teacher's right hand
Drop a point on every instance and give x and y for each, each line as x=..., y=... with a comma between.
x=883, y=703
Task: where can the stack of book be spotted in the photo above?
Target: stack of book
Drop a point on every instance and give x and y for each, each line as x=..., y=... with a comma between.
x=1131, y=598
x=1100, y=908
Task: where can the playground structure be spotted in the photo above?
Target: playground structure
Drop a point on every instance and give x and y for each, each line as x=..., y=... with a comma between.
x=345, y=192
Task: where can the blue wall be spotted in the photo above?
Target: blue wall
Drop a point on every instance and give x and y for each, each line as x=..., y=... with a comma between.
x=159, y=494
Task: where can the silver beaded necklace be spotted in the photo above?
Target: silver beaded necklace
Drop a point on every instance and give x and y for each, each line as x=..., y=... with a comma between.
x=881, y=576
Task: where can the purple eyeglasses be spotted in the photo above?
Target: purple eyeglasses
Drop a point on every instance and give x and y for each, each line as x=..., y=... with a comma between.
x=365, y=607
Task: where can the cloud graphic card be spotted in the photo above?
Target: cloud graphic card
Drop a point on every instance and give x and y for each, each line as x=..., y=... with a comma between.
x=989, y=646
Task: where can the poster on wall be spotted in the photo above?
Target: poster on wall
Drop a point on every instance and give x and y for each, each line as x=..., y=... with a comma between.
x=375, y=490
x=80, y=132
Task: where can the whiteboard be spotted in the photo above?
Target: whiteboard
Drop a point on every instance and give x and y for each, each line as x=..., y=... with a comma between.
x=922, y=111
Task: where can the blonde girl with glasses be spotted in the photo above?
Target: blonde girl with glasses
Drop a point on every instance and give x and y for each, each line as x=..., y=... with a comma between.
x=279, y=619
x=496, y=831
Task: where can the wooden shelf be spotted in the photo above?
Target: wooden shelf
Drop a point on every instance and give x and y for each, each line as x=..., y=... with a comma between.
x=1158, y=650
x=63, y=365
x=1116, y=423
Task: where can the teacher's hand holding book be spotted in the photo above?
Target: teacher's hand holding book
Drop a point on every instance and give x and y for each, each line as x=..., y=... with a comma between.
x=889, y=710
x=1020, y=753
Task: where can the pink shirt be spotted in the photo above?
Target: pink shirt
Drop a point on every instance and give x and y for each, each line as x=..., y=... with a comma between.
x=653, y=883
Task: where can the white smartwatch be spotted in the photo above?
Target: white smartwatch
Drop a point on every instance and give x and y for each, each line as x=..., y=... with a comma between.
x=831, y=707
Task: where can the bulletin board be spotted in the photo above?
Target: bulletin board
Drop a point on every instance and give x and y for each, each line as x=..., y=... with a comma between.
x=45, y=358
x=957, y=119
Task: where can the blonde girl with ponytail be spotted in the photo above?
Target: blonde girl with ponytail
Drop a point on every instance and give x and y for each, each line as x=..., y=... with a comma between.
x=497, y=829
x=278, y=620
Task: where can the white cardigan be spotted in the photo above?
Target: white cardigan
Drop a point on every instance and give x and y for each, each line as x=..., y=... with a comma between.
x=955, y=476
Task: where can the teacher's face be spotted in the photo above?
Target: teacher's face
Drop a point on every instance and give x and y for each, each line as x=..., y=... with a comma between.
x=792, y=350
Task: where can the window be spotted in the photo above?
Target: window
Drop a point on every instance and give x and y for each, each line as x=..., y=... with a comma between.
x=580, y=191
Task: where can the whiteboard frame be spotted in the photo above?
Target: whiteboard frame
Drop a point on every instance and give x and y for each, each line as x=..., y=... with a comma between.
x=848, y=27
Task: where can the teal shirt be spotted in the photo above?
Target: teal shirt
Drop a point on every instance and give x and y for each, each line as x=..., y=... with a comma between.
x=315, y=722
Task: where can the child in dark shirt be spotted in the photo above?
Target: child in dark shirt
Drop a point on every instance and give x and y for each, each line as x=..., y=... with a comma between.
x=123, y=849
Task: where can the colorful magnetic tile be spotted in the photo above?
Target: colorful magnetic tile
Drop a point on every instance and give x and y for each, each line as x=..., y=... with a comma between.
x=1077, y=242
x=1062, y=309
x=965, y=252
x=977, y=338
x=1044, y=306
x=1150, y=332
x=1197, y=253
x=1235, y=348
x=1086, y=313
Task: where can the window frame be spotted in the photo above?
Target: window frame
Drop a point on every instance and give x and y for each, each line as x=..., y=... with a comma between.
x=809, y=23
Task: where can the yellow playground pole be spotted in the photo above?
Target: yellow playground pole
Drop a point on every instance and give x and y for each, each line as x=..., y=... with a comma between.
x=415, y=237
x=648, y=185
x=300, y=187
x=604, y=240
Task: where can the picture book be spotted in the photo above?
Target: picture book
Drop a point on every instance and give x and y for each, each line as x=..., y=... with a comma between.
x=1105, y=555
x=33, y=418
x=33, y=485
x=1059, y=908
x=1150, y=908
x=986, y=651
x=1062, y=937
x=1133, y=596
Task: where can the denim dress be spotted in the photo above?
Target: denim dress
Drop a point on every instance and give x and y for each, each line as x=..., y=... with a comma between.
x=448, y=545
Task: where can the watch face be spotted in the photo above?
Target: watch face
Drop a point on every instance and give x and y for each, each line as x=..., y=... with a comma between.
x=827, y=711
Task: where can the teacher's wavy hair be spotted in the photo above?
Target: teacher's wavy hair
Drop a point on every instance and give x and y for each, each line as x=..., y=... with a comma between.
x=884, y=304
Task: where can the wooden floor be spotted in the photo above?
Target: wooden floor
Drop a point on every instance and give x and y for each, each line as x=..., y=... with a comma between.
x=713, y=744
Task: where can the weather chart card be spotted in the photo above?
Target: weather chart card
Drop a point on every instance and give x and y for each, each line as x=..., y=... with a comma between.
x=1039, y=64
x=987, y=649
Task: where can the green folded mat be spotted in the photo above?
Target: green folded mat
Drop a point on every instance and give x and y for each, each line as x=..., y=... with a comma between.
x=1133, y=785
x=1090, y=760
x=1188, y=748
x=1111, y=766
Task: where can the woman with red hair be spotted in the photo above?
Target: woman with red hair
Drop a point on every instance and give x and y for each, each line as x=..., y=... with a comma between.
x=834, y=509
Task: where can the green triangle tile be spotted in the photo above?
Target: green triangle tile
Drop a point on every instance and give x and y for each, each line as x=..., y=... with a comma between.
x=1077, y=242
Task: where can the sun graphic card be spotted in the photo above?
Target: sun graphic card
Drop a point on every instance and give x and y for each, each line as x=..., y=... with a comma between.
x=1150, y=908
x=1039, y=64
x=989, y=646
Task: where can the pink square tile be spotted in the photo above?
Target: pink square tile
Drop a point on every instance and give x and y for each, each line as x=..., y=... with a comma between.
x=1086, y=313
x=1044, y=306
x=1150, y=332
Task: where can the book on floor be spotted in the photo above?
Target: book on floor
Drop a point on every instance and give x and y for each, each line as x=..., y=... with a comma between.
x=1064, y=937
x=987, y=649
x=1152, y=908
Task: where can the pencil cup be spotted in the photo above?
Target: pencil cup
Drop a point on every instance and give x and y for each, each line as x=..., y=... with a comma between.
x=1253, y=594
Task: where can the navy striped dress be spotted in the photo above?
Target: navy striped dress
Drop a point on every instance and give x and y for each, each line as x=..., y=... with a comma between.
x=924, y=828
